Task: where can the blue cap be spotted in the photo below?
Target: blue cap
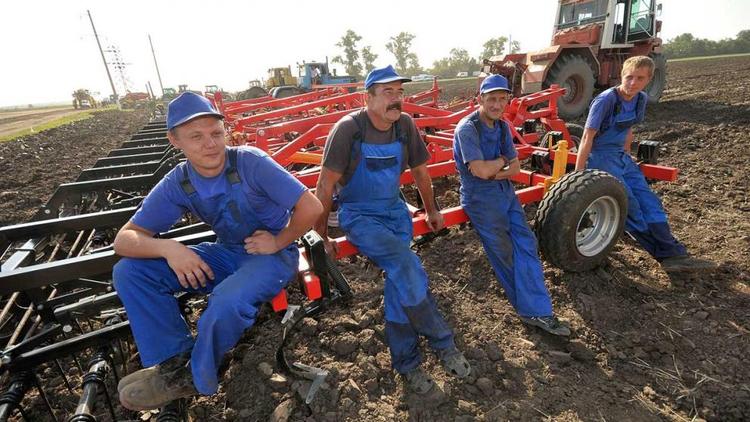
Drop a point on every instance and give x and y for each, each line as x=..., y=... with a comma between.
x=383, y=75
x=494, y=83
x=187, y=107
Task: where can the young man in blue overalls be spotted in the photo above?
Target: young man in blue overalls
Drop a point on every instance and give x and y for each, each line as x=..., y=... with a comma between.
x=364, y=156
x=486, y=160
x=606, y=146
x=256, y=209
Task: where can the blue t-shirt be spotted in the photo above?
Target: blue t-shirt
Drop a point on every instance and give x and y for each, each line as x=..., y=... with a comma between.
x=602, y=110
x=468, y=146
x=271, y=191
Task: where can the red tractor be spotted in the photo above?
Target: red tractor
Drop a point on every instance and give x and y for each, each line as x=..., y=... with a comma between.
x=591, y=40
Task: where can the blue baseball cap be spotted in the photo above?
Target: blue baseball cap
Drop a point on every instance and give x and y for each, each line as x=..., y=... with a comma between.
x=187, y=107
x=494, y=83
x=383, y=75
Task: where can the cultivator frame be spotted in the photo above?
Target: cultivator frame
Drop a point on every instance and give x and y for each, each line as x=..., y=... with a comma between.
x=55, y=278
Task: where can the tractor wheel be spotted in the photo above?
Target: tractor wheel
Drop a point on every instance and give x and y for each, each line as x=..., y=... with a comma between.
x=573, y=73
x=287, y=91
x=659, y=81
x=253, y=92
x=580, y=219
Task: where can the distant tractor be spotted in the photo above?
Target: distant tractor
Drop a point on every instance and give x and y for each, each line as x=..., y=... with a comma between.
x=255, y=90
x=213, y=89
x=135, y=100
x=82, y=99
x=591, y=40
x=281, y=83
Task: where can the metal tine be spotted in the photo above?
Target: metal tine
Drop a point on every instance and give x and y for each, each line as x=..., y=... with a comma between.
x=64, y=377
x=39, y=388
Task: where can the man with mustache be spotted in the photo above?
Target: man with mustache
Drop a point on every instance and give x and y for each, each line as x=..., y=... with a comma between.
x=257, y=211
x=486, y=160
x=364, y=156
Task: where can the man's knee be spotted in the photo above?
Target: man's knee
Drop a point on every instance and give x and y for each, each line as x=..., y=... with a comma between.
x=124, y=271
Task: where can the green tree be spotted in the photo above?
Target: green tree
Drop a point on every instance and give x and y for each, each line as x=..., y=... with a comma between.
x=407, y=62
x=350, y=59
x=458, y=60
x=493, y=47
x=368, y=59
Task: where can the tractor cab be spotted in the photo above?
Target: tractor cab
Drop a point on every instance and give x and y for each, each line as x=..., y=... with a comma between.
x=318, y=73
x=609, y=23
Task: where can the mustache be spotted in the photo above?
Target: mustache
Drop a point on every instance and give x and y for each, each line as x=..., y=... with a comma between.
x=394, y=106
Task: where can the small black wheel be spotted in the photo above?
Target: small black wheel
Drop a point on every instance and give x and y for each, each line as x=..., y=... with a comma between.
x=659, y=81
x=580, y=219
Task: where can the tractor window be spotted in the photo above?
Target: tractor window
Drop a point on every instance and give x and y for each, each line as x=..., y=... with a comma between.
x=581, y=13
x=641, y=21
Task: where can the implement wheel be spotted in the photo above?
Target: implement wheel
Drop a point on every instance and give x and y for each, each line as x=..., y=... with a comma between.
x=574, y=73
x=580, y=219
x=659, y=81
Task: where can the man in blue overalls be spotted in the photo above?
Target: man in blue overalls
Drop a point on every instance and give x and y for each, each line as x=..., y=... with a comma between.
x=257, y=211
x=486, y=160
x=364, y=156
x=606, y=146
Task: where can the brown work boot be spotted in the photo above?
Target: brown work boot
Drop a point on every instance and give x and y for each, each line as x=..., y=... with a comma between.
x=172, y=363
x=154, y=387
x=686, y=263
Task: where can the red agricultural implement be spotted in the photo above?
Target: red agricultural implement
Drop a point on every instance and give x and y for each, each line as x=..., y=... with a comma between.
x=59, y=312
x=293, y=132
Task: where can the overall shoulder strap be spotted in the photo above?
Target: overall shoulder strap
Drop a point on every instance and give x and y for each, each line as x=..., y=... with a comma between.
x=185, y=184
x=232, y=174
x=361, y=120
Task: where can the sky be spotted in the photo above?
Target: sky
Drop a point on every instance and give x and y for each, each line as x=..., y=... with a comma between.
x=48, y=50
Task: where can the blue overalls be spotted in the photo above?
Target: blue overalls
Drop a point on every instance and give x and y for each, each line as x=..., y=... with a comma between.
x=242, y=283
x=377, y=222
x=646, y=219
x=510, y=245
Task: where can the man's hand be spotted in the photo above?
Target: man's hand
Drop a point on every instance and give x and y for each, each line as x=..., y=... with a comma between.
x=261, y=242
x=435, y=220
x=191, y=269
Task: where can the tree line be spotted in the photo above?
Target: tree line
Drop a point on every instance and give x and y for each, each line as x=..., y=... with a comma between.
x=360, y=61
x=686, y=45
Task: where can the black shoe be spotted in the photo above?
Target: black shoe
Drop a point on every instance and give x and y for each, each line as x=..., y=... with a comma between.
x=549, y=324
x=685, y=263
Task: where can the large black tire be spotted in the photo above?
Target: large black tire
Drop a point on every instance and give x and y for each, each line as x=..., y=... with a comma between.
x=574, y=73
x=580, y=219
x=253, y=92
x=286, y=91
x=659, y=81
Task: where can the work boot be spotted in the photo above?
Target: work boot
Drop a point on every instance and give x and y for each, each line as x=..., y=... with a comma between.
x=418, y=381
x=549, y=324
x=156, y=386
x=685, y=263
x=454, y=362
x=172, y=362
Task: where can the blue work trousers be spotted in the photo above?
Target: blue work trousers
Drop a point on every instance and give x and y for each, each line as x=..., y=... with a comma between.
x=646, y=220
x=510, y=245
x=242, y=283
x=384, y=236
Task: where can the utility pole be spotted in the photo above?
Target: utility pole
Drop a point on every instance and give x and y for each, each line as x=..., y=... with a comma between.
x=112, y=84
x=156, y=64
